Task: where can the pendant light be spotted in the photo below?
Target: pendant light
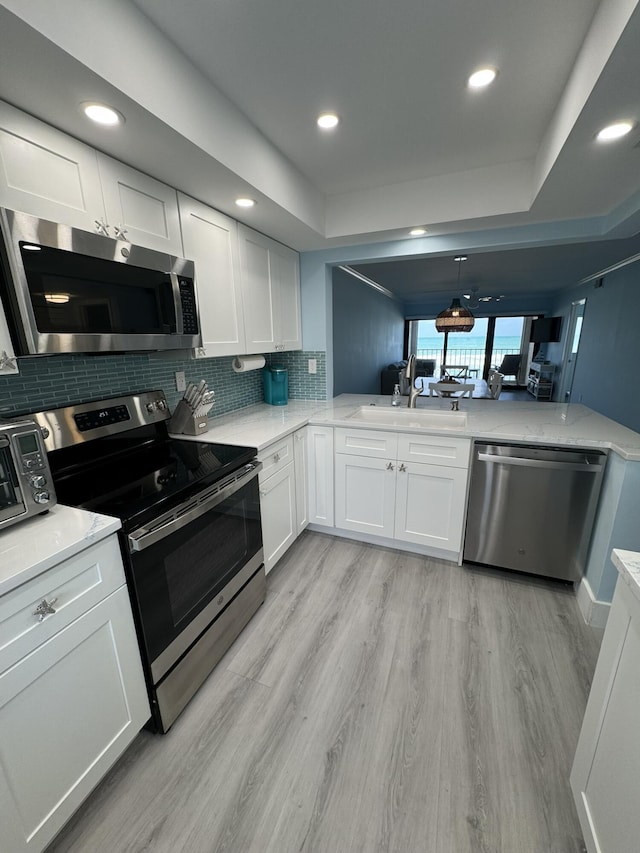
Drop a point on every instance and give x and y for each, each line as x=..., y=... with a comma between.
x=455, y=318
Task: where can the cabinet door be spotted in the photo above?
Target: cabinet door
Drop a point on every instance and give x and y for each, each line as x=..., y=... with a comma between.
x=258, y=299
x=320, y=468
x=604, y=778
x=8, y=363
x=211, y=240
x=302, y=479
x=278, y=511
x=67, y=712
x=430, y=503
x=46, y=173
x=139, y=208
x=284, y=265
x=365, y=494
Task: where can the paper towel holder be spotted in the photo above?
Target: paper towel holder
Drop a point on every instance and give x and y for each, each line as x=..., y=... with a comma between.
x=245, y=363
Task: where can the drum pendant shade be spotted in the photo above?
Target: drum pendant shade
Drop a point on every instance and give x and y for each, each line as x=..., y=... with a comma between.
x=455, y=319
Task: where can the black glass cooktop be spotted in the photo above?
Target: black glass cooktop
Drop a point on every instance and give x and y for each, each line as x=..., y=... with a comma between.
x=136, y=480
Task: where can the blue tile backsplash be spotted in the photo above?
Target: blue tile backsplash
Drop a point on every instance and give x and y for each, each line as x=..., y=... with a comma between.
x=49, y=382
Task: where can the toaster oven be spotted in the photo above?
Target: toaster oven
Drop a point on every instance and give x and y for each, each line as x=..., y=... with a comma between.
x=26, y=486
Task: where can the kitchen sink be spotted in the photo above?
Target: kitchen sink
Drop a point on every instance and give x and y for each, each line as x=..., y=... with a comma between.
x=425, y=418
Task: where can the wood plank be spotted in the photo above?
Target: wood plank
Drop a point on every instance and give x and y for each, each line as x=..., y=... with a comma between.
x=378, y=701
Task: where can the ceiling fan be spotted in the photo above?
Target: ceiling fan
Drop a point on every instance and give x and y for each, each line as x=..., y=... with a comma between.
x=473, y=300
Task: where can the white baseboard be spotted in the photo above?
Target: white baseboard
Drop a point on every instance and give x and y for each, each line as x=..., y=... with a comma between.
x=594, y=612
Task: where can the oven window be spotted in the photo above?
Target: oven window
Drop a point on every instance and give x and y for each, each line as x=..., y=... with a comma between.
x=11, y=503
x=188, y=591
x=174, y=579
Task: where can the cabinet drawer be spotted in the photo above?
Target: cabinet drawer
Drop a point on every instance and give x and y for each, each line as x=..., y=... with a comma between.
x=77, y=584
x=367, y=442
x=434, y=449
x=275, y=457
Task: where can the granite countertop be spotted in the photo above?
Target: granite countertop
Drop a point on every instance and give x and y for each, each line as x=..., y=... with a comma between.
x=536, y=422
x=31, y=547
x=628, y=565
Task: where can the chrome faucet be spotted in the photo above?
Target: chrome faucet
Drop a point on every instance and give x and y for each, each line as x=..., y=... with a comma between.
x=410, y=374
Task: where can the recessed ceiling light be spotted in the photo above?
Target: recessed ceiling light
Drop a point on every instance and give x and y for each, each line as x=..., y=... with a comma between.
x=615, y=131
x=102, y=114
x=482, y=77
x=417, y=232
x=244, y=201
x=461, y=258
x=327, y=121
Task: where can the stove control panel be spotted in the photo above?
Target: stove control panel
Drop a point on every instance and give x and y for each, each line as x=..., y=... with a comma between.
x=101, y=417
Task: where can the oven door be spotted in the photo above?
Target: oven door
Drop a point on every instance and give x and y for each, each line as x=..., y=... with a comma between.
x=11, y=503
x=189, y=564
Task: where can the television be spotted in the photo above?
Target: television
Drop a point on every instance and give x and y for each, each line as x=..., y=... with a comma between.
x=545, y=330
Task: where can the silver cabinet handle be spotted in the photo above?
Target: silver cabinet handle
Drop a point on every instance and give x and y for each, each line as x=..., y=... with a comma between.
x=45, y=608
x=389, y=466
x=101, y=227
x=6, y=361
x=403, y=467
x=119, y=232
x=276, y=457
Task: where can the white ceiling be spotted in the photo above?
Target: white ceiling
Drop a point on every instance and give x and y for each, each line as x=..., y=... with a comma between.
x=221, y=98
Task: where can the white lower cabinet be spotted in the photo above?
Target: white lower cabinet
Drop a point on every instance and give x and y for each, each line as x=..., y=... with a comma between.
x=410, y=488
x=72, y=693
x=429, y=505
x=302, y=479
x=604, y=778
x=283, y=495
x=321, y=475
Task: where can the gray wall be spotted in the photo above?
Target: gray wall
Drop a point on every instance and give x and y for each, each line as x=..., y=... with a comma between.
x=368, y=330
x=605, y=377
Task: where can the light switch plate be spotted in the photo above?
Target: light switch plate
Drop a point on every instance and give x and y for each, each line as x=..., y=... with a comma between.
x=313, y=365
x=181, y=381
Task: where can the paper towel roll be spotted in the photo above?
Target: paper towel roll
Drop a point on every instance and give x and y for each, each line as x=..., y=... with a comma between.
x=243, y=363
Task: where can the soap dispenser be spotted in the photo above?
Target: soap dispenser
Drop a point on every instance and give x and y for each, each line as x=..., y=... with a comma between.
x=396, y=397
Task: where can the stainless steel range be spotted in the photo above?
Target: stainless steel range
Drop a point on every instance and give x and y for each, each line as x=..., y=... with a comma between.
x=191, y=534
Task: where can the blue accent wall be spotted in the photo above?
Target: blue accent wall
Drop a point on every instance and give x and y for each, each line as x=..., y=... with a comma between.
x=368, y=334
x=605, y=377
x=49, y=382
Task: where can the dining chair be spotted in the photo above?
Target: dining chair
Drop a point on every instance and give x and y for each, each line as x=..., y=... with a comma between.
x=494, y=383
x=450, y=389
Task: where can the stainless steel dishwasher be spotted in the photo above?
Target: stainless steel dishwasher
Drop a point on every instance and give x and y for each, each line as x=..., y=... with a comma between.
x=531, y=508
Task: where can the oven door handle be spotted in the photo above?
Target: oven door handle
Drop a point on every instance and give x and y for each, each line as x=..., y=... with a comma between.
x=144, y=537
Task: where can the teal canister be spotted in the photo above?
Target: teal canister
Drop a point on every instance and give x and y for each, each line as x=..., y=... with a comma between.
x=276, y=385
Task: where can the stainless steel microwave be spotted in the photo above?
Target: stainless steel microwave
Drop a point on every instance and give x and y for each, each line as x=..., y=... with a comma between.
x=26, y=485
x=65, y=290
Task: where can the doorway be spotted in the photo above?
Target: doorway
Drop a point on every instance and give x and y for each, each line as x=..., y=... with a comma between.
x=571, y=349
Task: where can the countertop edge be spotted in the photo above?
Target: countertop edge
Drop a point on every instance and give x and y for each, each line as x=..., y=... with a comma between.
x=68, y=530
x=628, y=565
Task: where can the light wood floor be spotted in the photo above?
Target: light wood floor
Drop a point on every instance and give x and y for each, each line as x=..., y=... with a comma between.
x=378, y=701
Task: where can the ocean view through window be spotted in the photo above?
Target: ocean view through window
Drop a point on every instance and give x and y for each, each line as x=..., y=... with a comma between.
x=470, y=348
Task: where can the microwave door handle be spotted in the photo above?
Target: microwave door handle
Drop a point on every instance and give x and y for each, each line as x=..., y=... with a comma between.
x=177, y=302
x=143, y=538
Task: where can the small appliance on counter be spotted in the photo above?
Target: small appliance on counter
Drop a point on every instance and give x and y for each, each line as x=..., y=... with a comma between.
x=276, y=385
x=190, y=415
x=26, y=485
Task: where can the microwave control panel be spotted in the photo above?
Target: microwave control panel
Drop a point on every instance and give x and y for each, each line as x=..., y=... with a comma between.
x=188, y=302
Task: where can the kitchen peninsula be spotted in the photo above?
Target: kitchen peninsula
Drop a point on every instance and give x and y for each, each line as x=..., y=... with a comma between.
x=563, y=425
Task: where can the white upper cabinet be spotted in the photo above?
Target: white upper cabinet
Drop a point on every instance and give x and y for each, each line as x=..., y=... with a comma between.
x=139, y=208
x=270, y=293
x=211, y=240
x=51, y=175
x=47, y=173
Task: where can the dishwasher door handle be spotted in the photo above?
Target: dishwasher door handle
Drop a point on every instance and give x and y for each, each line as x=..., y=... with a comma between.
x=540, y=463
